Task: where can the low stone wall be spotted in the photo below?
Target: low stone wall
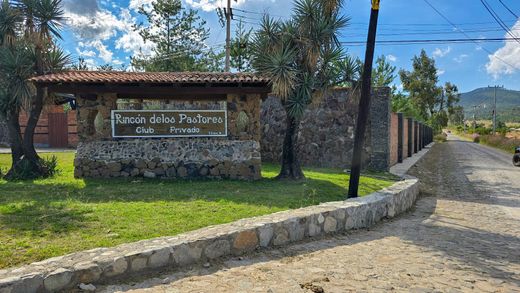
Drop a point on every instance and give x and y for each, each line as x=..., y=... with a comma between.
x=169, y=158
x=101, y=264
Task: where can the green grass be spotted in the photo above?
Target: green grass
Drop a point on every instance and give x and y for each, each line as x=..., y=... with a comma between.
x=50, y=217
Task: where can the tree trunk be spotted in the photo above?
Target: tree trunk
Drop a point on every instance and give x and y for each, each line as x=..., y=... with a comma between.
x=32, y=122
x=15, y=137
x=30, y=166
x=291, y=168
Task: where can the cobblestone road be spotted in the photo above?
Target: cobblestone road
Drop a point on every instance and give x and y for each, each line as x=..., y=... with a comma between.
x=463, y=236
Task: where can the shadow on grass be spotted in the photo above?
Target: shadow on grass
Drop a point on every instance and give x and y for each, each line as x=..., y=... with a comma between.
x=60, y=207
x=39, y=218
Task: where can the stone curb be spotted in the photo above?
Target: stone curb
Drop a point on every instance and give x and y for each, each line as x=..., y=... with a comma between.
x=246, y=235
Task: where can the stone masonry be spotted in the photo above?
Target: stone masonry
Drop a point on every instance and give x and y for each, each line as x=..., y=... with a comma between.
x=167, y=158
x=235, y=157
x=237, y=238
x=326, y=133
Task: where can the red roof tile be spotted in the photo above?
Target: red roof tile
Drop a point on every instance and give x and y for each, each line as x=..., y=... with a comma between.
x=113, y=77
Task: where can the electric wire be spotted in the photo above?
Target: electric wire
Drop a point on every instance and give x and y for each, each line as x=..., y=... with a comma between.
x=508, y=9
x=497, y=18
x=466, y=35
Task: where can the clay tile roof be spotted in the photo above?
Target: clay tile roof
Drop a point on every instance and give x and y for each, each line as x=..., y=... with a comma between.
x=114, y=77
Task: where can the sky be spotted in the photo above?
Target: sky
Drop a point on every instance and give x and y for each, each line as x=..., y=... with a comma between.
x=101, y=31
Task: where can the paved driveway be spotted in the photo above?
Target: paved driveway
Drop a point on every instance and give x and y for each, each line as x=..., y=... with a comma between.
x=463, y=236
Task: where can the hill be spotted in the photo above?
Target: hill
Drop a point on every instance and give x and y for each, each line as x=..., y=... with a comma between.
x=508, y=104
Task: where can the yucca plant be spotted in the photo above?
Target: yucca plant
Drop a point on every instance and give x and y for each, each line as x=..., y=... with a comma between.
x=299, y=56
x=28, y=29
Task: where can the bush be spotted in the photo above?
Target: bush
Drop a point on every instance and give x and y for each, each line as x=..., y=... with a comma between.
x=501, y=142
x=26, y=170
x=441, y=137
x=476, y=138
x=50, y=165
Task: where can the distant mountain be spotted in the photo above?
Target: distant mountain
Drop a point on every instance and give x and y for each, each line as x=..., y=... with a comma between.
x=508, y=104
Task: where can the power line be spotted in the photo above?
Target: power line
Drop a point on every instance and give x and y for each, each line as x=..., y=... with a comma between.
x=443, y=41
x=498, y=19
x=259, y=13
x=511, y=11
x=429, y=24
x=429, y=32
x=466, y=35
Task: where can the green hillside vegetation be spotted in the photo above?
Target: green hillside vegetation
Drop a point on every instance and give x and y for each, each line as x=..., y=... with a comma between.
x=508, y=104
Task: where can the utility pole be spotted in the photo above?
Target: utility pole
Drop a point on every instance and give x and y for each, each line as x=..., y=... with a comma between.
x=474, y=117
x=229, y=16
x=225, y=20
x=495, y=109
x=364, y=102
x=495, y=112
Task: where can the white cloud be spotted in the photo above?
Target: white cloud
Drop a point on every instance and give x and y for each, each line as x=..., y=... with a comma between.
x=439, y=53
x=505, y=60
x=97, y=28
x=391, y=58
x=136, y=4
x=460, y=58
x=131, y=41
x=102, y=25
x=104, y=53
x=209, y=5
x=86, y=53
x=440, y=72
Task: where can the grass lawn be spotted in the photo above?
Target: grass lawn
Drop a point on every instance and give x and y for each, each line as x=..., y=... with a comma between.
x=45, y=218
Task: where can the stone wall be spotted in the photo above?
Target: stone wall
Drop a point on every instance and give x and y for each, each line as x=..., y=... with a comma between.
x=169, y=158
x=326, y=133
x=4, y=136
x=208, y=244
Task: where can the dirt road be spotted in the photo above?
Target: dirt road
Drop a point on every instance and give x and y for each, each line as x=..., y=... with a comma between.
x=463, y=236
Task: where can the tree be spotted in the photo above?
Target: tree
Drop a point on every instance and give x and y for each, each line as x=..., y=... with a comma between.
x=298, y=56
x=241, y=49
x=214, y=61
x=451, y=92
x=349, y=71
x=27, y=32
x=401, y=104
x=106, y=67
x=384, y=73
x=457, y=115
x=81, y=65
x=179, y=36
x=421, y=84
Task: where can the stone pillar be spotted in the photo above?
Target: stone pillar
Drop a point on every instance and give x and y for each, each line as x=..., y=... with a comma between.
x=88, y=110
x=400, y=137
x=244, y=117
x=380, y=111
x=410, y=136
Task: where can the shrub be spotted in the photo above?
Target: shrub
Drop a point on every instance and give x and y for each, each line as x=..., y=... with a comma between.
x=25, y=169
x=476, y=138
x=50, y=164
x=501, y=142
x=441, y=137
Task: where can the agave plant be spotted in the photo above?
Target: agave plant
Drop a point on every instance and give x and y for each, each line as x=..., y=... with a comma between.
x=299, y=56
x=28, y=29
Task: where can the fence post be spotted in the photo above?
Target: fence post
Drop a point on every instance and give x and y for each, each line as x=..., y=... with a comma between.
x=415, y=136
x=410, y=136
x=400, y=137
